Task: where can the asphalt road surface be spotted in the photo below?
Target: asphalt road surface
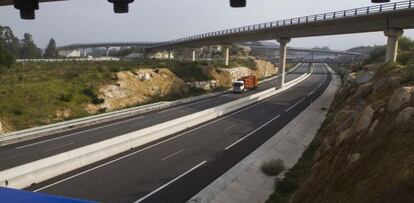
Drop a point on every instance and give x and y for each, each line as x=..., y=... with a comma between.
x=176, y=168
x=25, y=152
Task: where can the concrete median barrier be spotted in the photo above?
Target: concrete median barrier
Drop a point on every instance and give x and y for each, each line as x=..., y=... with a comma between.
x=25, y=175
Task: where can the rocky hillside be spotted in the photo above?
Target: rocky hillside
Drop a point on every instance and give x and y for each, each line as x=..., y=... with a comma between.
x=35, y=94
x=364, y=150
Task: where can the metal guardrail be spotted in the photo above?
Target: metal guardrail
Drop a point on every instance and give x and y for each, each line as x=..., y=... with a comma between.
x=369, y=10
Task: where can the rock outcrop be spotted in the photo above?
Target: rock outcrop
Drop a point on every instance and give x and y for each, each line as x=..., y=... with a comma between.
x=2, y=130
x=364, y=119
x=405, y=115
x=400, y=97
x=137, y=87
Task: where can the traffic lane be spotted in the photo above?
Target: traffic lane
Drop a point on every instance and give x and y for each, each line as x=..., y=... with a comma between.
x=186, y=187
x=202, y=136
x=25, y=152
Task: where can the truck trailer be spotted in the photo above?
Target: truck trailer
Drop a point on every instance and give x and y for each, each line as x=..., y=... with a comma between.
x=244, y=84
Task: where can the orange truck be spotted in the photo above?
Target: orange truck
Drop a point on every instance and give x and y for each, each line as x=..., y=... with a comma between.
x=244, y=84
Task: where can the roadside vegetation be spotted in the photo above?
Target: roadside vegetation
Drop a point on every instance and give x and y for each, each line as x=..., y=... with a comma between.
x=34, y=93
x=363, y=150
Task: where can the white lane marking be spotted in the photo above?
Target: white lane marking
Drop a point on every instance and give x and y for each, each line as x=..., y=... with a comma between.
x=146, y=148
x=61, y=137
x=107, y=163
x=251, y=133
x=291, y=107
x=169, y=183
x=154, y=145
x=57, y=147
x=230, y=127
x=171, y=155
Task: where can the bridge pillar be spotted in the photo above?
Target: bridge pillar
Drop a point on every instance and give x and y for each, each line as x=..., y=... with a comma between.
x=107, y=51
x=282, y=60
x=393, y=36
x=194, y=55
x=227, y=55
x=169, y=55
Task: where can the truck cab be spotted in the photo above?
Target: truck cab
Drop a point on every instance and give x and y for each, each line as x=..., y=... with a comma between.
x=238, y=86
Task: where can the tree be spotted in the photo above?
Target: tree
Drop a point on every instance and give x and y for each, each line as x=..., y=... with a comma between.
x=51, y=51
x=6, y=59
x=9, y=42
x=29, y=49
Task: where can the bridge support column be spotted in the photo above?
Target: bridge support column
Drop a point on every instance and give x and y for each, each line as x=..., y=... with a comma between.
x=194, y=55
x=393, y=36
x=169, y=55
x=107, y=51
x=282, y=60
x=227, y=55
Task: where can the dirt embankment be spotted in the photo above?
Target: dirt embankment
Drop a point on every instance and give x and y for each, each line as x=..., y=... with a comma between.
x=366, y=151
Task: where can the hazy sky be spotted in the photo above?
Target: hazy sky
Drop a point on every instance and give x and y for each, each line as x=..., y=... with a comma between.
x=79, y=21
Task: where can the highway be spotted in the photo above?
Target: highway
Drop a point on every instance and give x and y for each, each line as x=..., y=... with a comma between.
x=25, y=152
x=176, y=168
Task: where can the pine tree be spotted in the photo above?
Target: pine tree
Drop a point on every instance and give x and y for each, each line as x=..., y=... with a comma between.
x=29, y=49
x=51, y=51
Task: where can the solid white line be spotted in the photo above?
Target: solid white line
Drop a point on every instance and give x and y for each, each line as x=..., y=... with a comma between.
x=146, y=148
x=61, y=137
x=152, y=146
x=173, y=180
x=169, y=156
x=50, y=149
x=291, y=107
x=251, y=133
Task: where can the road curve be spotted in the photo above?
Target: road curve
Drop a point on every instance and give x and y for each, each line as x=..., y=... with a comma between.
x=176, y=168
x=25, y=152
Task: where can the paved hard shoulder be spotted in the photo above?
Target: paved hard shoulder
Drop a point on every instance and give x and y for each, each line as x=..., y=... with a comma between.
x=245, y=182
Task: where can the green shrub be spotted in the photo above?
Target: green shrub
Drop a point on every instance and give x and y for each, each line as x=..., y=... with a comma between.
x=65, y=97
x=273, y=167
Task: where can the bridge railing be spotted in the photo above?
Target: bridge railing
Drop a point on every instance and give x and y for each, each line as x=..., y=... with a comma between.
x=369, y=10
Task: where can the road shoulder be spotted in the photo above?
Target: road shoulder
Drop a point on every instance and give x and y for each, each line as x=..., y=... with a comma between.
x=245, y=182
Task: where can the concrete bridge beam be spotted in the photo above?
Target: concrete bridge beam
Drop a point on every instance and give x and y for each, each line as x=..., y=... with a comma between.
x=393, y=36
x=282, y=60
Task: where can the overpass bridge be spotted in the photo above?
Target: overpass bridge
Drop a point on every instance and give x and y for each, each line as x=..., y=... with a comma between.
x=390, y=18
x=319, y=60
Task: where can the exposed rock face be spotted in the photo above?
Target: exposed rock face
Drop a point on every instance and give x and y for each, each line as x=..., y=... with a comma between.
x=364, y=89
x=63, y=113
x=399, y=97
x=237, y=73
x=364, y=76
x=205, y=85
x=2, y=130
x=405, y=115
x=364, y=120
x=136, y=87
x=354, y=157
x=373, y=126
x=344, y=136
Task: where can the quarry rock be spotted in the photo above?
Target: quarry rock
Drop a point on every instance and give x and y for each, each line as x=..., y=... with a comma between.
x=373, y=126
x=354, y=157
x=343, y=136
x=400, y=97
x=405, y=115
x=364, y=119
x=364, y=76
x=364, y=89
x=237, y=73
